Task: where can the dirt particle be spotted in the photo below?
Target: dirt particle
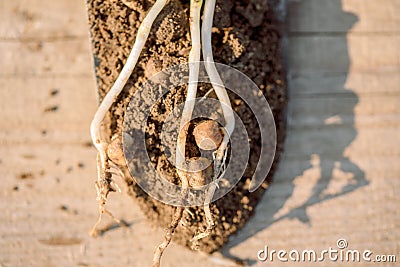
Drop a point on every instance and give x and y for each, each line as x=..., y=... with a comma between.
x=53, y=108
x=184, y=52
x=44, y=132
x=46, y=68
x=115, y=151
x=69, y=169
x=58, y=161
x=54, y=92
x=35, y=46
x=16, y=188
x=245, y=200
x=150, y=68
x=24, y=14
x=253, y=12
x=81, y=165
x=63, y=207
x=26, y=176
x=61, y=241
x=226, y=225
x=233, y=41
x=28, y=156
x=87, y=144
x=42, y=172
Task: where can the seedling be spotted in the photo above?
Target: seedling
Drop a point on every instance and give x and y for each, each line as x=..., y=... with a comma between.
x=104, y=183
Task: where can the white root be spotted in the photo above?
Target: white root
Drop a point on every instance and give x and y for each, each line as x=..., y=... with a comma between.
x=168, y=236
x=194, y=66
x=218, y=86
x=212, y=72
x=103, y=179
x=194, y=58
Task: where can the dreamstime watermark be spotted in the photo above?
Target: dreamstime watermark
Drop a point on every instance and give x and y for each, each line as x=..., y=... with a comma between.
x=157, y=183
x=340, y=253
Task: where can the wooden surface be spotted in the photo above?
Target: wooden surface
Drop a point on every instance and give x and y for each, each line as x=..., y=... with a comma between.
x=339, y=176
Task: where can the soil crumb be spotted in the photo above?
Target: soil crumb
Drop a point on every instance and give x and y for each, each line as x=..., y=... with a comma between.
x=51, y=109
x=54, y=92
x=61, y=241
x=26, y=176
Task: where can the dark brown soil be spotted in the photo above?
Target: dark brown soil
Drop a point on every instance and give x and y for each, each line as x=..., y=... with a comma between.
x=246, y=36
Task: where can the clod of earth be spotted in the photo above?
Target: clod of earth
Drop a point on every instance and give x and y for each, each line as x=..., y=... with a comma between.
x=113, y=28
